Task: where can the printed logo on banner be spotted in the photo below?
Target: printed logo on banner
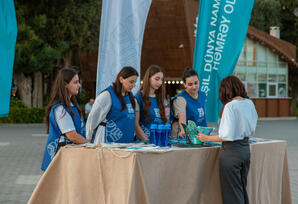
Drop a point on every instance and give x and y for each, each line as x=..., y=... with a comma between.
x=121, y=37
x=221, y=31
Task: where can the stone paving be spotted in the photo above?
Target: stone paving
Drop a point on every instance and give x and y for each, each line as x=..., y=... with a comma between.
x=21, y=150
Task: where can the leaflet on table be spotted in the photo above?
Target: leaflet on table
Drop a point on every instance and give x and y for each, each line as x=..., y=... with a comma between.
x=258, y=140
x=191, y=130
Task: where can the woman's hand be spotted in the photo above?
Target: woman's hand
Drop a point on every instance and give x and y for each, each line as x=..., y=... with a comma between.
x=202, y=137
x=145, y=139
x=181, y=134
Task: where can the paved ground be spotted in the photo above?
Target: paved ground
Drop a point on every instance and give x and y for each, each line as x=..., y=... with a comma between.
x=21, y=149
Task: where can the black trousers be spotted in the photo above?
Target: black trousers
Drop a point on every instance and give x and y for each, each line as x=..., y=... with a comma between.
x=234, y=162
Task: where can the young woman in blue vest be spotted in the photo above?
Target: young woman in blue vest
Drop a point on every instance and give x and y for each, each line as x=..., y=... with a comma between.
x=237, y=124
x=63, y=116
x=113, y=113
x=149, y=102
x=188, y=105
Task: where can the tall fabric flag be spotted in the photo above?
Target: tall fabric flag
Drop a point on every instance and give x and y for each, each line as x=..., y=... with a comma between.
x=221, y=31
x=121, y=37
x=8, y=36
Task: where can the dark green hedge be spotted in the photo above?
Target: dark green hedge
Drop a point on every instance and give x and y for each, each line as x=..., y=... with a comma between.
x=19, y=113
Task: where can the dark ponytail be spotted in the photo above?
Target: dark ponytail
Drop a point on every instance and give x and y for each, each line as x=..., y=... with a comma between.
x=188, y=72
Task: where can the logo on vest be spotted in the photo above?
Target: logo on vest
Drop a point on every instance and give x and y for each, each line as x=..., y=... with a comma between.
x=157, y=118
x=113, y=131
x=156, y=111
x=146, y=130
x=201, y=112
x=130, y=110
x=51, y=148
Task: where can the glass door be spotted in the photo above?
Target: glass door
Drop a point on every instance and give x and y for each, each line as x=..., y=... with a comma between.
x=272, y=90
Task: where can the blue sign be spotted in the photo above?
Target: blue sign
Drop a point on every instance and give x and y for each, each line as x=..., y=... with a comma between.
x=8, y=37
x=221, y=32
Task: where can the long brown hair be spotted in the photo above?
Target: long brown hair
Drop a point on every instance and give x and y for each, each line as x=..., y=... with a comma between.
x=145, y=88
x=117, y=85
x=59, y=93
x=230, y=87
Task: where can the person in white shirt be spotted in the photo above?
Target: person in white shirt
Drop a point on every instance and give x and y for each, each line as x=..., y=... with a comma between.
x=88, y=107
x=238, y=123
x=112, y=117
x=63, y=115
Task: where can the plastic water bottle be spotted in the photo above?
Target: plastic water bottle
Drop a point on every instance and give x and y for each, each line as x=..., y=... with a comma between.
x=159, y=134
x=168, y=135
x=162, y=136
x=153, y=131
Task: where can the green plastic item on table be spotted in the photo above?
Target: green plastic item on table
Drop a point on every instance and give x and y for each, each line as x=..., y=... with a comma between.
x=205, y=130
x=193, y=131
x=190, y=132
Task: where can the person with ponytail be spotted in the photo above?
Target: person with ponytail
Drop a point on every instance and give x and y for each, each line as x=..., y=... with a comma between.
x=190, y=104
x=63, y=115
x=149, y=102
x=113, y=113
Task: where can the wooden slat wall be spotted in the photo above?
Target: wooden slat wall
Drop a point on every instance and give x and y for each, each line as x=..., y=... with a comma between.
x=165, y=30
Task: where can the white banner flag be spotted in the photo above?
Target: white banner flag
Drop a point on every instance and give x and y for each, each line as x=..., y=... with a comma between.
x=121, y=37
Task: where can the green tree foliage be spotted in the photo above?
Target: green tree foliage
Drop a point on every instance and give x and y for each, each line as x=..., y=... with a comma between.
x=280, y=13
x=32, y=53
x=47, y=28
x=75, y=22
x=49, y=34
x=289, y=22
x=265, y=13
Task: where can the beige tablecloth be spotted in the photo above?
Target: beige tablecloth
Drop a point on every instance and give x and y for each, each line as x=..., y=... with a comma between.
x=81, y=175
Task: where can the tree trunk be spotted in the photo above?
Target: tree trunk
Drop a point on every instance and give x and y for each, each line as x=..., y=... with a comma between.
x=37, y=91
x=24, y=85
x=67, y=58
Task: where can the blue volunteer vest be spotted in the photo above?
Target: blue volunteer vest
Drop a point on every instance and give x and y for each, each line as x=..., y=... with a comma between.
x=154, y=113
x=120, y=124
x=195, y=108
x=55, y=133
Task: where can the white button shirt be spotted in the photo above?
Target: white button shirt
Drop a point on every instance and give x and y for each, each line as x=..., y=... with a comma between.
x=239, y=120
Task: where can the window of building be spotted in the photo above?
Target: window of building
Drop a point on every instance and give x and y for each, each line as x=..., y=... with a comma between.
x=272, y=90
x=282, y=90
x=241, y=73
x=262, y=71
x=262, y=90
x=242, y=57
x=251, y=53
x=251, y=74
x=261, y=55
x=252, y=90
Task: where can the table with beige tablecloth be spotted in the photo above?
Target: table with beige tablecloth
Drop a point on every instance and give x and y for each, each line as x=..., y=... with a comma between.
x=80, y=175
